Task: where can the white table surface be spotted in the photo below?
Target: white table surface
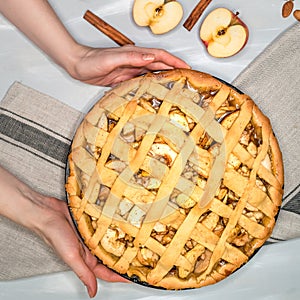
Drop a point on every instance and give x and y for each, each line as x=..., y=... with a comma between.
x=273, y=272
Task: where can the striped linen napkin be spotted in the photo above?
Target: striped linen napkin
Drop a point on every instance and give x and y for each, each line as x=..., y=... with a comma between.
x=36, y=131
x=273, y=82
x=35, y=135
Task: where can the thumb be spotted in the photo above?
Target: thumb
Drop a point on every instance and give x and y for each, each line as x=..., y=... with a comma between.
x=89, y=280
x=85, y=274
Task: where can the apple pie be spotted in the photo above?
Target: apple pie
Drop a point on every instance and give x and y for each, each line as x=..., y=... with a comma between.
x=175, y=179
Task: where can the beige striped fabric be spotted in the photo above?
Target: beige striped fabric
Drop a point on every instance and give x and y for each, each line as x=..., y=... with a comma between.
x=273, y=82
x=35, y=134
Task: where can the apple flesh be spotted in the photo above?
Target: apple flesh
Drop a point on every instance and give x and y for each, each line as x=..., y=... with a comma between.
x=223, y=33
x=159, y=15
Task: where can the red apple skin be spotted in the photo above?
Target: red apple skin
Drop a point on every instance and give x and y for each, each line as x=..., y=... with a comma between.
x=238, y=21
x=235, y=21
x=205, y=43
x=247, y=32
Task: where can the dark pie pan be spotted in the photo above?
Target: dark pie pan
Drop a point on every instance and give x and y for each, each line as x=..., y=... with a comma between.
x=136, y=279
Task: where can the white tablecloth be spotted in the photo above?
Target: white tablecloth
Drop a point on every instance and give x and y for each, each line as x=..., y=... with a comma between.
x=22, y=61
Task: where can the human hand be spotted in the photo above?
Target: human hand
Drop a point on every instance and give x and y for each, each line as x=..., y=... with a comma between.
x=98, y=66
x=50, y=219
x=109, y=66
x=55, y=226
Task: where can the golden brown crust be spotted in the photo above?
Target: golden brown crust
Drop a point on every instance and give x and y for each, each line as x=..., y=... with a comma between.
x=176, y=178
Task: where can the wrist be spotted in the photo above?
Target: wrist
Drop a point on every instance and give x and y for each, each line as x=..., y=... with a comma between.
x=71, y=63
x=32, y=213
x=37, y=212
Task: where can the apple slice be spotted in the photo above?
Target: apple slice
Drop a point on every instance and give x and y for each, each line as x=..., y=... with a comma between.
x=142, y=15
x=223, y=33
x=159, y=15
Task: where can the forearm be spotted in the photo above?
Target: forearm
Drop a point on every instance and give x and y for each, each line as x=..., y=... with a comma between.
x=37, y=20
x=98, y=66
x=18, y=202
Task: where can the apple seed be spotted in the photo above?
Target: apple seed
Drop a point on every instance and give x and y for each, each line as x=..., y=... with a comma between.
x=221, y=31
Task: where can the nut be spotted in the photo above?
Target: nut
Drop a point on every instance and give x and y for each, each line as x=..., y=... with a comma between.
x=245, y=171
x=159, y=237
x=287, y=8
x=205, y=141
x=297, y=14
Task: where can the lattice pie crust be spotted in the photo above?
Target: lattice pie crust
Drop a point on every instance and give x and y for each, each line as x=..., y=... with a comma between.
x=175, y=179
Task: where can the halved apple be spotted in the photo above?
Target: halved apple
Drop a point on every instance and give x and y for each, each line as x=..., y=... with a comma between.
x=223, y=33
x=160, y=15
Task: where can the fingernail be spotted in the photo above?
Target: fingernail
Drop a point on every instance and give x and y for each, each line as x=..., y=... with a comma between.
x=148, y=56
x=89, y=292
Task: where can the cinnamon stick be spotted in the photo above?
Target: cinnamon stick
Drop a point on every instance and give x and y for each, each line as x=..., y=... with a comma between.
x=107, y=29
x=196, y=14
